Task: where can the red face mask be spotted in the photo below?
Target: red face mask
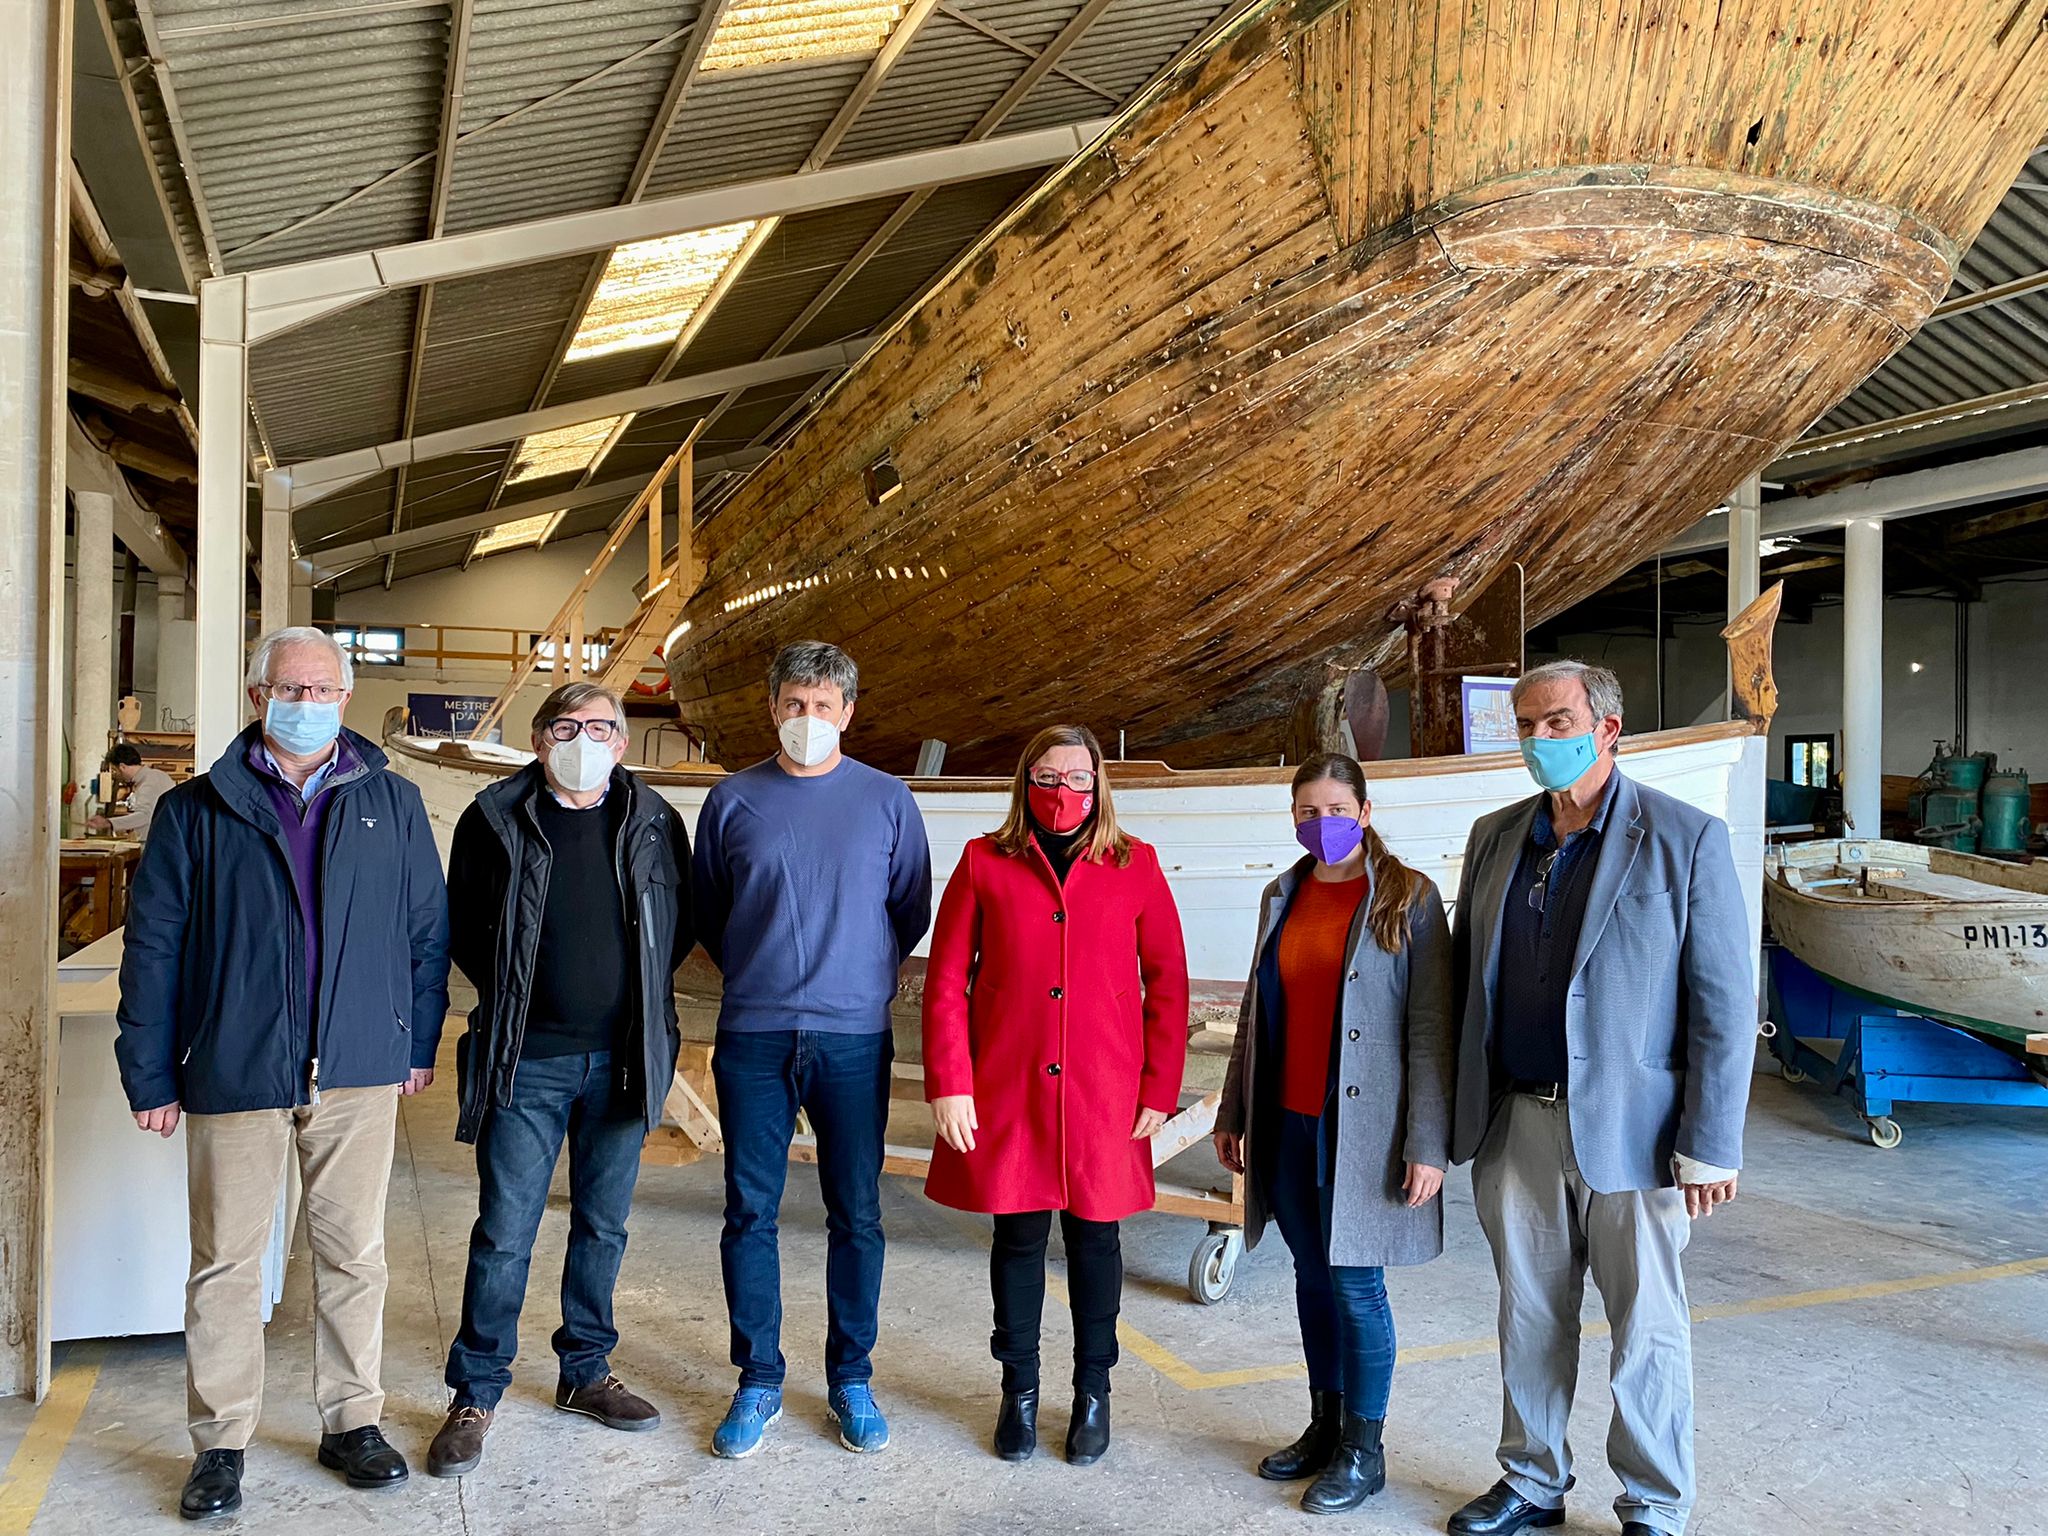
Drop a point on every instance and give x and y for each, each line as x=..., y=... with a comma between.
x=1060, y=809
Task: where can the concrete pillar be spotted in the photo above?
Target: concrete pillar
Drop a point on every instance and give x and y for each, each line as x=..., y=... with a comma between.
x=35, y=128
x=274, y=600
x=219, y=586
x=92, y=633
x=1745, y=533
x=1863, y=676
x=176, y=646
x=299, y=601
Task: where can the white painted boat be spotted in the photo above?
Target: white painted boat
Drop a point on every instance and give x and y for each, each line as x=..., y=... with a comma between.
x=1224, y=833
x=1952, y=936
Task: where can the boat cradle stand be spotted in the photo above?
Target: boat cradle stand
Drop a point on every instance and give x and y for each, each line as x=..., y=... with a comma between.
x=1882, y=1055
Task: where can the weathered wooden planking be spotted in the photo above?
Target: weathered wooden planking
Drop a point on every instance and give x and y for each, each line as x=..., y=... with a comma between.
x=1364, y=295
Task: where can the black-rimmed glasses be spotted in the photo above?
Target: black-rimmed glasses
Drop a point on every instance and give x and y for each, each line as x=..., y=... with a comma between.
x=1081, y=780
x=606, y=731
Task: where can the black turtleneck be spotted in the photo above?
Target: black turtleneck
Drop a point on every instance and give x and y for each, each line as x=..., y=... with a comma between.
x=1061, y=849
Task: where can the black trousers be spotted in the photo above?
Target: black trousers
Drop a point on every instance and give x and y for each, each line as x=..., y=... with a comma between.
x=1095, y=1283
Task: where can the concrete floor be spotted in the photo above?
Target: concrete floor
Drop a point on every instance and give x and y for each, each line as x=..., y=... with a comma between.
x=1913, y=1405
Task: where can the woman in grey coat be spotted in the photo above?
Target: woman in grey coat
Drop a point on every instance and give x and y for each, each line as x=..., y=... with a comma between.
x=1337, y=1111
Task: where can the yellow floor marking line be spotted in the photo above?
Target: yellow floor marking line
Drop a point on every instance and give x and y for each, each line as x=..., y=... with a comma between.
x=1193, y=1379
x=28, y=1475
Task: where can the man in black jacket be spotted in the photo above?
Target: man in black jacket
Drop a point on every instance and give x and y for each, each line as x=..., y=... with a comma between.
x=570, y=885
x=283, y=978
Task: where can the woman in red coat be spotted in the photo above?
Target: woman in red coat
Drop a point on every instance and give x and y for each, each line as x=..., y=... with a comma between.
x=1055, y=1030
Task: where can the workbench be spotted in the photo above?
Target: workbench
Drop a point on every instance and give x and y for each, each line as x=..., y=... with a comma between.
x=92, y=885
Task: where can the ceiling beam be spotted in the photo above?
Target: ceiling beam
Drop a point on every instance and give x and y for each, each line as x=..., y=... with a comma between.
x=282, y=297
x=2006, y=411
x=2001, y=293
x=312, y=479
x=87, y=467
x=1017, y=45
x=455, y=66
x=2022, y=473
x=333, y=560
x=1046, y=60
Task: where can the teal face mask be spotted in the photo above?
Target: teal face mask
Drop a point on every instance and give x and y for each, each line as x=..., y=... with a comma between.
x=302, y=728
x=1559, y=762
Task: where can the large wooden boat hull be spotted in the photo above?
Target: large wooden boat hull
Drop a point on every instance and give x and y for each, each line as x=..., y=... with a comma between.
x=1951, y=936
x=1223, y=834
x=1361, y=295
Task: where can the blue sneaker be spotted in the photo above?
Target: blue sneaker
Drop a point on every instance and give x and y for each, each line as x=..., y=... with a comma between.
x=746, y=1421
x=861, y=1425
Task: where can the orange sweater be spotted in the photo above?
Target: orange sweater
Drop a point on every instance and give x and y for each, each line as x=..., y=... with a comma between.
x=1313, y=946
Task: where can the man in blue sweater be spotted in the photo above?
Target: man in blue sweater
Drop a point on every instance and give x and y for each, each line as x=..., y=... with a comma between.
x=812, y=881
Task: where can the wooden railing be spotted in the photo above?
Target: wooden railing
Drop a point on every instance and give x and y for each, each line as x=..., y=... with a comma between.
x=502, y=645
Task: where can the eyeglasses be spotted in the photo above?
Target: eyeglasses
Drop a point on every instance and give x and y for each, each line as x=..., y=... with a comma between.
x=605, y=731
x=292, y=693
x=1539, y=893
x=1081, y=780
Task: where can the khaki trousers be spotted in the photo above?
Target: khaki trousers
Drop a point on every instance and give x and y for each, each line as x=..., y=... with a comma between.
x=235, y=1170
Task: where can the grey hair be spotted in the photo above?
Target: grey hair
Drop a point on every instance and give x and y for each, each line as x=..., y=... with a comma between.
x=810, y=663
x=570, y=697
x=284, y=639
x=1603, y=688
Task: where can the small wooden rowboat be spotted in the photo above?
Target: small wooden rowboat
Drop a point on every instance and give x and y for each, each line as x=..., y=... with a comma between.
x=1951, y=936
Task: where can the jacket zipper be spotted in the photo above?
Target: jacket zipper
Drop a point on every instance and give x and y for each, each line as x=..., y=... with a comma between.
x=620, y=1073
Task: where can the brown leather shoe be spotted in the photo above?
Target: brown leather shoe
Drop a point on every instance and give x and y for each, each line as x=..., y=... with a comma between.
x=609, y=1402
x=459, y=1444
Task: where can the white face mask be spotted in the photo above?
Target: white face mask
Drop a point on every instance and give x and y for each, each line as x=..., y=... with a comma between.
x=809, y=740
x=579, y=765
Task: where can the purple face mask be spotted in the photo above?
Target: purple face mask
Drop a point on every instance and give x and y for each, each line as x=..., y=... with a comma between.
x=1333, y=839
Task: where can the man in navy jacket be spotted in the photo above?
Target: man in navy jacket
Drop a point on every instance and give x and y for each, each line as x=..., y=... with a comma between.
x=283, y=980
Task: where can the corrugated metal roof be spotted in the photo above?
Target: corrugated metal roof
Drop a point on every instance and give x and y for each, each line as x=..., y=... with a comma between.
x=743, y=125
x=338, y=383
x=1981, y=351
x=941, y=86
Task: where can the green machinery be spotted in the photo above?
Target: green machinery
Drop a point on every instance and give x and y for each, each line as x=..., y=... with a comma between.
x=1966, y=802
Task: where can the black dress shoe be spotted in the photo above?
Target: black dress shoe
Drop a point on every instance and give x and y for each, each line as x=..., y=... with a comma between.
x=1500, y=1511
x=1317, y=1444
x=1355, y=1473
x=1017, y=1425
x=1088, y=1430
x=1637, y=1528
x=215, y=1487
x=364, y=1457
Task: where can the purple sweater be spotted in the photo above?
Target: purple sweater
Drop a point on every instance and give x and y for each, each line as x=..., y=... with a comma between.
x=302, y=825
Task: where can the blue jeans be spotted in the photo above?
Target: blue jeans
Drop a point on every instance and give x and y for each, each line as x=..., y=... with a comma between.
x=842, y=1083
x=554, y=1099
x=1347, y=1327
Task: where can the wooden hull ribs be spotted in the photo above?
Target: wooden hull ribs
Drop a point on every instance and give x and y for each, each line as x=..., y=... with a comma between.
x=1363, y=294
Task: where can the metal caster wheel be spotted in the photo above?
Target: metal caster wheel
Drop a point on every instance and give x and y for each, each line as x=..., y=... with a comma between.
x=1790, y=1073
x=1885, y=1132
x=1214, y=1266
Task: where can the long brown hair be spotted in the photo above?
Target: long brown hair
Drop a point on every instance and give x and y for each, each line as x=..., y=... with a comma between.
x=1395, y=887
x=1105, y=839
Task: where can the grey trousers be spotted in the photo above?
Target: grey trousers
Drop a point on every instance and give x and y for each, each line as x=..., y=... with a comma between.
x=1546, y=1229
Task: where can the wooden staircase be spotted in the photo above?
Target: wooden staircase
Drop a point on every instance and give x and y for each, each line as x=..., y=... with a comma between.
x=670, y=583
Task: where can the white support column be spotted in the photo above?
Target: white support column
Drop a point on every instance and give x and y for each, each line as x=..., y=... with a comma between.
x=1863, y=676
x=1745, y=533
x=175, y=648
x=275, y=590
x=218, y=585
x=35, y=128
x=92, y=632
x=299, y=604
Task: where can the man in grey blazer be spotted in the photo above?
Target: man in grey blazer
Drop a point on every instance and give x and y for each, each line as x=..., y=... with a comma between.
x=1607, y=1016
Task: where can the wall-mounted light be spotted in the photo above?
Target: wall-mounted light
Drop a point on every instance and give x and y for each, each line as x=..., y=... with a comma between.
x=1915, y=666
x=882, y=480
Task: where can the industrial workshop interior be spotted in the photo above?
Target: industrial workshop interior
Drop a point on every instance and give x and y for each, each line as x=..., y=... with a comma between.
x=1003, y=766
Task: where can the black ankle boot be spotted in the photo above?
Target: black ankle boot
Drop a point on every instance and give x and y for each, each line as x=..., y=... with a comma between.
x=1017, y=1425
x=1088, y=1430
x=1317, y=1444
x=1355, y=1473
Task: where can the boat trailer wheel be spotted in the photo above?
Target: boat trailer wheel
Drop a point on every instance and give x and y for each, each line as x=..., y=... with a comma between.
x=1214, y=1264
x=1885, y=1132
